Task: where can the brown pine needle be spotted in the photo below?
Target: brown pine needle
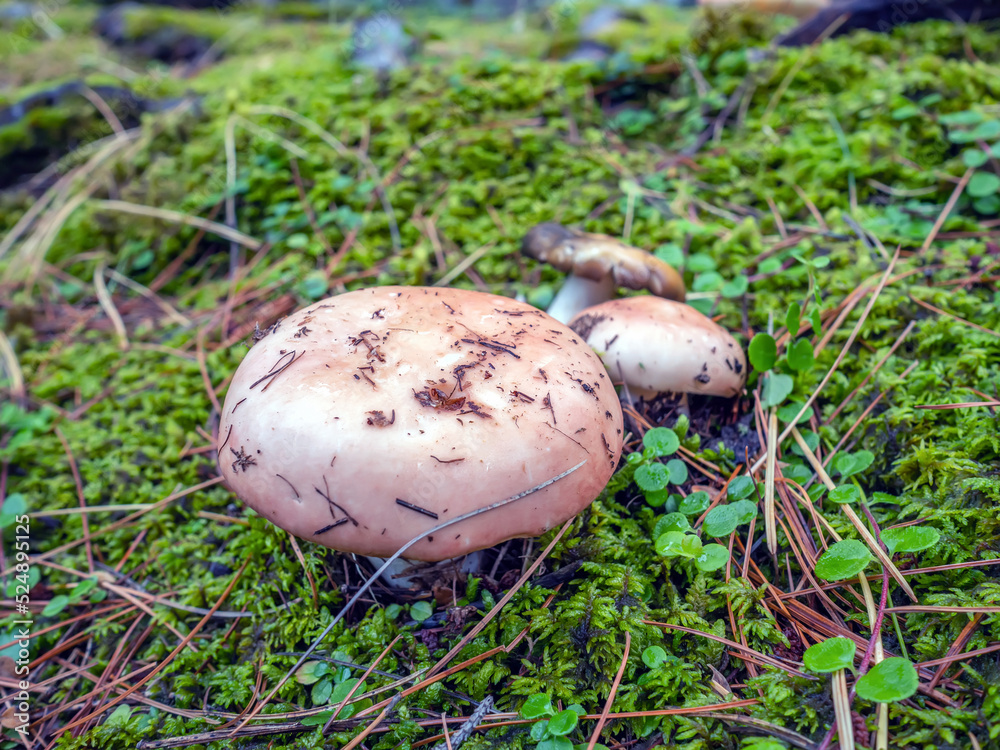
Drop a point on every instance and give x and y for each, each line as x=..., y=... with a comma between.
x=611, y=696
x=169, y=658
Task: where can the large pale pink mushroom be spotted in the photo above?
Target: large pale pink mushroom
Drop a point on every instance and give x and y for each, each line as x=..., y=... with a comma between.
x=370, y=417
x=656, y=345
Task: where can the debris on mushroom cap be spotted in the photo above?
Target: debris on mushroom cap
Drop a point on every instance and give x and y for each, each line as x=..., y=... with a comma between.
x=368, y=417
x=596, y=256
x=657, y=345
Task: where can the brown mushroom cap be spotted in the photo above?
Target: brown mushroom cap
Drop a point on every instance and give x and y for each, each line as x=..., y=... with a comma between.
x=368, y=417
x=657, y=345
x=597, y=256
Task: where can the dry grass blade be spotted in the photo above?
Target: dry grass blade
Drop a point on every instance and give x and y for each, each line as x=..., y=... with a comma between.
x=770, y=530
x=108, y=305
x=842, y=710
x=176, y=217
x=12, y=368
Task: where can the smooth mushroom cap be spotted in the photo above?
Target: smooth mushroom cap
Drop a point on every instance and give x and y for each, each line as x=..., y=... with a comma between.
x=658, y=345
x=371, y=416
x=599, y=256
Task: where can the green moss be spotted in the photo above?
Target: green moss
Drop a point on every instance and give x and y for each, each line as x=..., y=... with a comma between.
x=489, y=143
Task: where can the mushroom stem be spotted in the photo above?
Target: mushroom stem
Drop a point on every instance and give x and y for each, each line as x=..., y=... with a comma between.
x=395, y=575
x=578, y=293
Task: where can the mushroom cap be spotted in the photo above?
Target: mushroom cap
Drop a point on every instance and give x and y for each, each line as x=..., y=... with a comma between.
x=366, y=418
x=597, y=256
x=661, y=345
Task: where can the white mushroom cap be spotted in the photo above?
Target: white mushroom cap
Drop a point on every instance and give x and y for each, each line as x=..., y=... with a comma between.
x=658, y=345
x=368, y=417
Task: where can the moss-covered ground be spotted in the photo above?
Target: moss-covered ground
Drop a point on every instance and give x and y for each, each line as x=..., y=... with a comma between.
x=163, y=614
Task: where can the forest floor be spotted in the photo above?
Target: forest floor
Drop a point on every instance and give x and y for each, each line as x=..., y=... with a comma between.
x=837, y=204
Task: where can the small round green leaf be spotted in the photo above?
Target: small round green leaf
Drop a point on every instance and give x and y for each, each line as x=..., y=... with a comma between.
x=722, y=520
x=321, y=692
x=893, y=679
x=712, y=557
x=678, y=471
x=657, y=498
x=691, y=545
x=537, y=706
x=563, y=723
x=830, y=655
x=986, y=131
x=777, y=387
x=554, y=743
x=420, y=611
x=652, y=477
x=670, y=544
x=695, y=504
x=910, y=538
x=654, y=656
x=843, y=560
x=671, y=253
x=800, y=355
x=793, y=318
x=983, y=184
x=740, y=488
x=853, y=463
x=710, y=281
x=736, y=288
x=763, y=352
x=974, y=157
x=55, y=605
x=670, y=522
x=787, y=413
x=661, y=441
x=845, y=494
x=700, y=262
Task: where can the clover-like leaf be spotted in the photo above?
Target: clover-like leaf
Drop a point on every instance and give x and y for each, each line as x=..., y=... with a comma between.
x=421, y=610
x=722, y=520
x=893, y=679
x=842, y=560
x=845, y=494
x=652, y=476
x=763, y=352
x=654, y=656
x=830, y=655
x=777, y=387
x=695, y=504
x=982, y=184
x=670, y=522
x=910, y=538
x=712, y=557
x=661, y=441
x=800, y=355
x=849, y=464
x=793, y=318
x=563, y=723
x=670, y=544
x=537, y=706
x=740, y=487
x=678, y=471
